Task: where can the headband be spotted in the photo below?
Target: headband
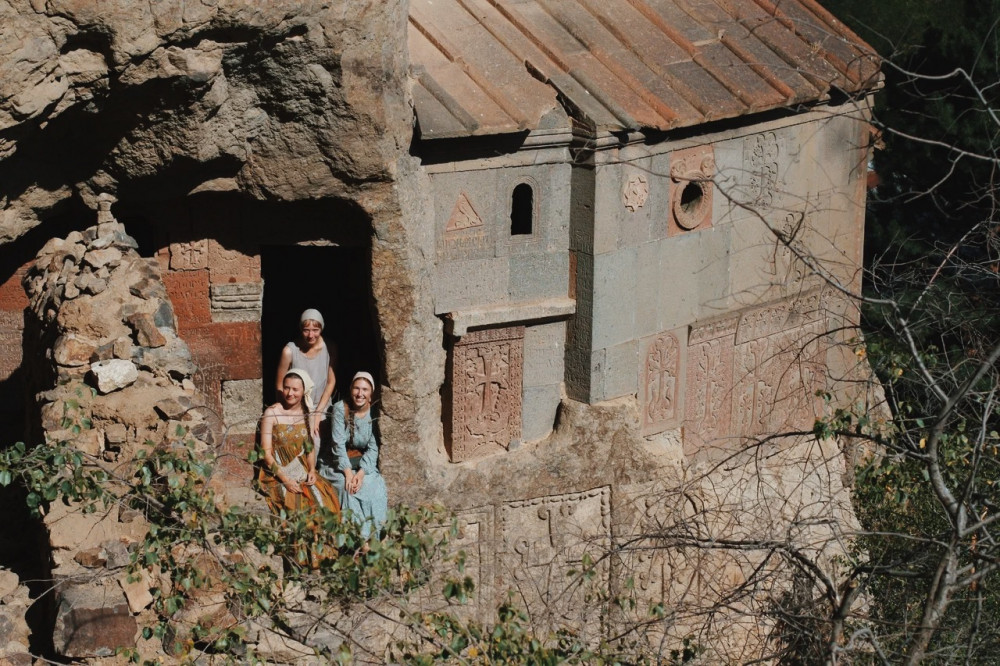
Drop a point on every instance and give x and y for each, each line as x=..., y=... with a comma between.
x=365, y=376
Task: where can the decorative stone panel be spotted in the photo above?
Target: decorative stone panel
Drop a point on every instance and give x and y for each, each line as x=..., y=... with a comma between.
x=11, y=351
x=242, y=401
x=189, y=255
x=465, y=234
x=241, y=301
x=543, y=539
x=708, y=403
x=756, y=373
x=760, y=164
x=485, y=387
x=661, y=381
x=635, y=193
x=691, y=173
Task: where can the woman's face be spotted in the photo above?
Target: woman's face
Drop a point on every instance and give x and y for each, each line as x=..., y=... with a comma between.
x=311, y=332
x=292, y=390
x=361, y=393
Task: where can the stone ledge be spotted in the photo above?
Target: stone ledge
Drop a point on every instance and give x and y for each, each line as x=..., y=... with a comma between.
x=459, y=322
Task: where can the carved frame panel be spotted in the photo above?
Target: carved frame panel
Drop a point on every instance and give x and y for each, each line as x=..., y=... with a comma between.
x=486, y=393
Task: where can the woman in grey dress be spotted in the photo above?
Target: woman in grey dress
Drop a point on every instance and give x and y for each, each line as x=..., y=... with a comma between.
x=361, y=488
x=312, y=354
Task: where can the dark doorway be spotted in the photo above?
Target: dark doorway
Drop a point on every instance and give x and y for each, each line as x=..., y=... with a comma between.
x=337, y=282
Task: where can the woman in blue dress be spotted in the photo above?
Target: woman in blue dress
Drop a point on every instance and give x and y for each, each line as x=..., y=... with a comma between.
x=360, y=487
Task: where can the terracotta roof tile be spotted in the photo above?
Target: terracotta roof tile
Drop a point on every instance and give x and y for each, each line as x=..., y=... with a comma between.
x=500, y=66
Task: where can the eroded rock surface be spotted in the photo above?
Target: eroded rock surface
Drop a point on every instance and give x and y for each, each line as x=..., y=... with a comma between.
x=280, y=100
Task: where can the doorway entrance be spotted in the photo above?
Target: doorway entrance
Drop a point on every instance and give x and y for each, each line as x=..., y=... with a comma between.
x=337, y=282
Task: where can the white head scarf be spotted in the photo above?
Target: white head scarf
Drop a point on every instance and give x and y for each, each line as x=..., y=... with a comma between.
x=365, y=376
x=307, y=385
x=314, y=315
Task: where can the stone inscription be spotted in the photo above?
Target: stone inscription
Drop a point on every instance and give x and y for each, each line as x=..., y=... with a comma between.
x=188, y=291
x=635, y=193
x=779, y=317
x=486, y=390
x=465, y=234
x=544, y=537
x=760, y=159
x=661, y=383
x=232, y=346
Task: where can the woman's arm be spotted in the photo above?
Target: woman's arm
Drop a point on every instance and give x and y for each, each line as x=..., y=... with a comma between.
x=369, y=459
x=331, y=382
x=340, y=439
x=284, y=363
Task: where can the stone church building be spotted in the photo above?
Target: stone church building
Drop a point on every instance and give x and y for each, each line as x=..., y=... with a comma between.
x=582, y=246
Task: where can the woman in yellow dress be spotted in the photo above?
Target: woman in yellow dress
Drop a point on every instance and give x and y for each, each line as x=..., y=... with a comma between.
x=288, y=479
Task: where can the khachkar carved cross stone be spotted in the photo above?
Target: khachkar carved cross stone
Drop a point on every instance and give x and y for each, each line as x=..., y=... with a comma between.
x=661, y=383
x=486, y=390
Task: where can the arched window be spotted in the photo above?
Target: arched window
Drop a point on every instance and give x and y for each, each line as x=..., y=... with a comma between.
x=522, y=210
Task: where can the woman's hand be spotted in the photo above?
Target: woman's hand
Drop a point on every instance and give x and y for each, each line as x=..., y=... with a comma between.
x=348, y=480
x=290, y=484
x=354, y=485
x=310, y=478
x=314, y=420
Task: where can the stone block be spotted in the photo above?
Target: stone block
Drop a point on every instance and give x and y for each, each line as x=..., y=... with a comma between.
x=233, y=348
x=72, y=350
x=11, y=347
x=237, y=302
x=8, y=583
x=92, y=620
x=485, y=392
x=146, y=333
x=188, y=291
x=114, y=374
x=137, y=592
x=544, y=349
x=620, y=364
x=107, y=257
x=242, y=402
x=228, y=265
x=189, y=255
x=615, y=297
x=536, y=276
x=475, y=283
x=12, y=296
x=539, y=412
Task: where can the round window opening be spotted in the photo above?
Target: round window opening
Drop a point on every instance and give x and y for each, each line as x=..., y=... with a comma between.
x=689, y=207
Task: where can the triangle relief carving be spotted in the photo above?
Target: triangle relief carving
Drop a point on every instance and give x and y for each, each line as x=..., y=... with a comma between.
x=463, y=215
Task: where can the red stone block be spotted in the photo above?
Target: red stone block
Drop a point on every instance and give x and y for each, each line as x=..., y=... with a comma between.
x=12, y=296
x=188, y=291
x=231, y=349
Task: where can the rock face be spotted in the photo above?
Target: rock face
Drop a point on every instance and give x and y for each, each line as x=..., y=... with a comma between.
x=76, y=77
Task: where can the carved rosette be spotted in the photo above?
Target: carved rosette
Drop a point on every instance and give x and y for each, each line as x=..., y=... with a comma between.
x=661, y=383
x=486, y=392
x=635, y=193
x=691, y=173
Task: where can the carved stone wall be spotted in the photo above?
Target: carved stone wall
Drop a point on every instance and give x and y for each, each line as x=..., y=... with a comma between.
x=485, y=389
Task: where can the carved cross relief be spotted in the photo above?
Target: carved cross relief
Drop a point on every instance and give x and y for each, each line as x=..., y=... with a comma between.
x=486, y=392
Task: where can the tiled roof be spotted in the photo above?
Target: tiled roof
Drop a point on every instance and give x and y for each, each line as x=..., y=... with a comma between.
x=498, y=66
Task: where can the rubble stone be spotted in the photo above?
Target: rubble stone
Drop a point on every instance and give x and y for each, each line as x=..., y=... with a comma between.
x=114, y=374
x=92, y=620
